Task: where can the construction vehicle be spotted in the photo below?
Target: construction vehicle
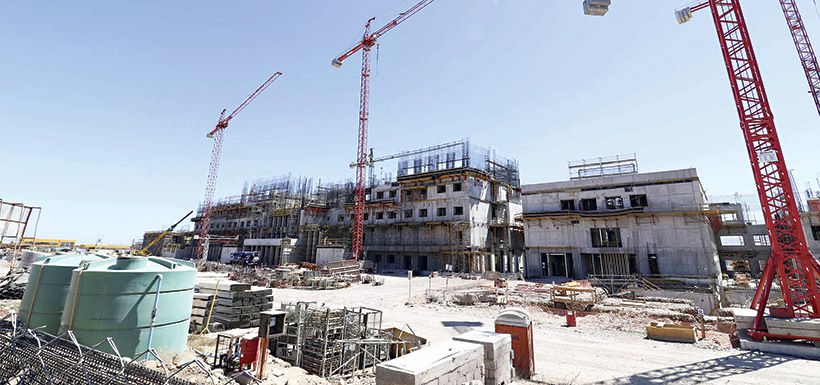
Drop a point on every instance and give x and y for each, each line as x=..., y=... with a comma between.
x=245, y=258
x=218, y=134
x=146, y=250
x=365, y=45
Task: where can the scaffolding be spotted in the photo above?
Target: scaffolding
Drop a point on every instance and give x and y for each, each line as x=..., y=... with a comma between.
x=14, y=222
x=333, y=342
x=603, y=166
x=460, y=154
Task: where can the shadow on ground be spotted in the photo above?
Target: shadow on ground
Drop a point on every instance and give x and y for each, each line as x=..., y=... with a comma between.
x=703, y=371
x=462, y=326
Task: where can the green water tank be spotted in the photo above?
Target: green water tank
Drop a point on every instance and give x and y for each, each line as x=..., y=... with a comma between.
x=117, y=297
x=48, y=281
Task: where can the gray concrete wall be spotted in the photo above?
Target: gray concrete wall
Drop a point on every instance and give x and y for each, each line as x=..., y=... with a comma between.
x=673, y=226
x=414, y=237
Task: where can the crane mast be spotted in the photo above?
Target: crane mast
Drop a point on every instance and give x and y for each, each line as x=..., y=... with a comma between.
x=805, y=51
x=218, y=134
x=366, y=45
x=791, y=263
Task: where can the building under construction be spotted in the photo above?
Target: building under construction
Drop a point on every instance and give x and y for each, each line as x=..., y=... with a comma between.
x=450, y=206
x=454, y=206
x=285, y=219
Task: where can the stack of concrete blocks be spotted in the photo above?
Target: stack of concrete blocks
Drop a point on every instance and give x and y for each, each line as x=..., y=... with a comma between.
x=230, y=304
x=449, y=363
x=498, y=369
x=808, y=327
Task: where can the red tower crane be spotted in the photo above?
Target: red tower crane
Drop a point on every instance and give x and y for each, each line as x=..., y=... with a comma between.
x=791, y=263
x=804, y=48
x=218, y=134
x=365, y=45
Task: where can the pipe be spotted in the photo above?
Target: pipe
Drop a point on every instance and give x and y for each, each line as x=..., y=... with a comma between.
x=154, y=312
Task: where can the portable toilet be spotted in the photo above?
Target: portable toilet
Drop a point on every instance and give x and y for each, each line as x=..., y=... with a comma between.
x=517, y=323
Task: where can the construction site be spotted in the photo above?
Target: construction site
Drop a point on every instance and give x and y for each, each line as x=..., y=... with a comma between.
x=436, y=264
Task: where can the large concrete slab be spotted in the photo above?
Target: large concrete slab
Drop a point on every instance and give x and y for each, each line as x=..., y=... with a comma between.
x=449, y=363
x=208, y=286
x=803, y=327
x=786, y=348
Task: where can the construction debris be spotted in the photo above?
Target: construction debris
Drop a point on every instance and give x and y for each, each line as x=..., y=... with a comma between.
x=13, y=285
x=334, y=275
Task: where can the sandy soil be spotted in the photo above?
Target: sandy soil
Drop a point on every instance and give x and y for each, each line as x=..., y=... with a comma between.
x=601, y=350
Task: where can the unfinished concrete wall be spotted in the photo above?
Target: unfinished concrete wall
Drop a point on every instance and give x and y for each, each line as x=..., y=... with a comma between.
x=652, y=223
x=744, y=246
x=429, y=223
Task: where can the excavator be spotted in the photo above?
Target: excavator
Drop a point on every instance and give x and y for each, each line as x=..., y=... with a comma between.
x=145, y=251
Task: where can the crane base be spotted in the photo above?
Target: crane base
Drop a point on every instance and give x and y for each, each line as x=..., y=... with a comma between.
x=788, y=348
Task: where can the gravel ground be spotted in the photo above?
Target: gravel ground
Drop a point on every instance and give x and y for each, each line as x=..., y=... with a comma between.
x=603, y=349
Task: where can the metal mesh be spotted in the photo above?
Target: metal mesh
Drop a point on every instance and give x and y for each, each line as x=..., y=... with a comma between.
x=33, y=357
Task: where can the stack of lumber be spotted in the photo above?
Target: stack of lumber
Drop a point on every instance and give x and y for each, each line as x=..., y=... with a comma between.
x=230, y=304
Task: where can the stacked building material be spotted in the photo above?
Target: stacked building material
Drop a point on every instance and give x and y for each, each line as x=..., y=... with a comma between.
x=346, y=267
x=321, y=354
x=229, y=304
x=328, y=342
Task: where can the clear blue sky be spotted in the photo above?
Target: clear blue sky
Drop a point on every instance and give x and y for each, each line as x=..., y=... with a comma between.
x=104, y=106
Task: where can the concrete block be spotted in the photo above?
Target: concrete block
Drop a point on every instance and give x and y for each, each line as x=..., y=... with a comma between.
x=744, y=317
x=497, y=357
x=450, y=363
x=786, y=348
x=803, y=327
x=208, y=286
x=493, y=343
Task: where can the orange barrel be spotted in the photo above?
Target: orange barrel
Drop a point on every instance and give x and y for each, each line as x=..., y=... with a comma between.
x=517, y=323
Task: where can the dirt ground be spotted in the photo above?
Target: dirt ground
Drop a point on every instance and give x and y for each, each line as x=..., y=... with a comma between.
x=604, y=349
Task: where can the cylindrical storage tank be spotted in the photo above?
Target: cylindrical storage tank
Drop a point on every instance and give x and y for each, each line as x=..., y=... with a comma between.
x=137, y=301
x=42, y=304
